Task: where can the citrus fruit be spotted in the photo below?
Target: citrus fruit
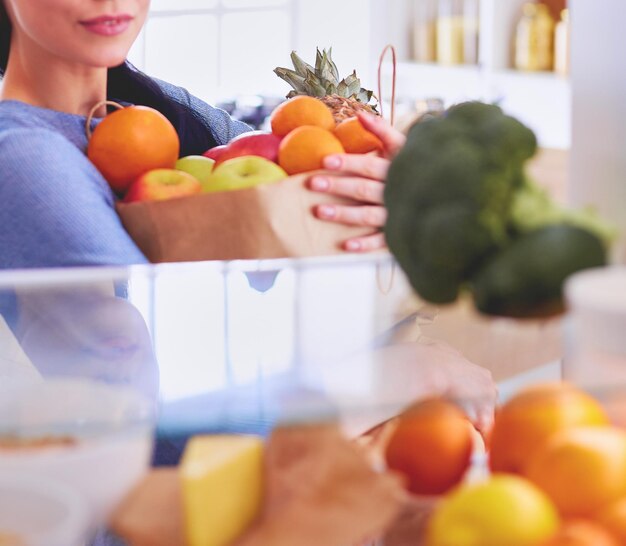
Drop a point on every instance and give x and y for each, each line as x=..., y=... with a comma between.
x=301, y=111
x=355, y=138
x=130, y=142
x=305, y=148
x=613, y=518
x=524, y=423
x=506, y=510
x=581, y=469
x=431, y=446
x=582, y=533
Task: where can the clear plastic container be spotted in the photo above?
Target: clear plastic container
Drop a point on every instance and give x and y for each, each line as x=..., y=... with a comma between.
x=92, y=437
x=35, y=512
x=229, y=345
x=234, y=347
x=596, y=340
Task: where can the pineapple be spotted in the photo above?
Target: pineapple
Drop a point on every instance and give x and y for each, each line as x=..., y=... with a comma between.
x=344, y=97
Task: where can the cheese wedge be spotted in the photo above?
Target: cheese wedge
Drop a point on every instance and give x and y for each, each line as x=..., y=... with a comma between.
x=222, y=482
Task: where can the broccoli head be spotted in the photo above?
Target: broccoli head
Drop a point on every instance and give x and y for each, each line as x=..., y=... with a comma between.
x=459, y=203
x=449, y=192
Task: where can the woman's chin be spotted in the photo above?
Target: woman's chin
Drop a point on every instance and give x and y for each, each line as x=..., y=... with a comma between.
x=110, y=60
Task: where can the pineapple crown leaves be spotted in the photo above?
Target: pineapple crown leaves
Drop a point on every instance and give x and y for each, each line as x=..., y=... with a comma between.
x=325, y=68
x=323, y=79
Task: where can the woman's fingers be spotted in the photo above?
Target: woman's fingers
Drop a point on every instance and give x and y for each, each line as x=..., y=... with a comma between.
x=392, y=139
x=363, y=215
x=366, y=244
x=366, y=185
x=367, y=166
x=359, y=189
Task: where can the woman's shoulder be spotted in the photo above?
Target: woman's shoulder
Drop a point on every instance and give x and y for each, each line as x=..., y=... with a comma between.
x=15, y=114
x=43, y=156
x=20, y=140
x=223, y=127
x=20, y=120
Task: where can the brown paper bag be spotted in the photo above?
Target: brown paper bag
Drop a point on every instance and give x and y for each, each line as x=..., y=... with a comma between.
x=267, y=221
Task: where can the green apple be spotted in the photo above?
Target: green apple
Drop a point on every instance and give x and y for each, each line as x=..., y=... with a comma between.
x=243, y=172
x=196, y=165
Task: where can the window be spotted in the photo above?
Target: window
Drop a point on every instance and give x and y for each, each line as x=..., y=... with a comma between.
x=217, y=48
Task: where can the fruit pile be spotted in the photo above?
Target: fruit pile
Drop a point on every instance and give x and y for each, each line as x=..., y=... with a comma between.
x=557, y=472
x=136, y=148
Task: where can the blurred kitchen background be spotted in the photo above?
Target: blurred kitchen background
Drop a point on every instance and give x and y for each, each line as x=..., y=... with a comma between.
x=509, y=51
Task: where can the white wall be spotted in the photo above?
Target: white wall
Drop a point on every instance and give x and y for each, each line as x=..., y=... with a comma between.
x=224, y=48
x=599, y=114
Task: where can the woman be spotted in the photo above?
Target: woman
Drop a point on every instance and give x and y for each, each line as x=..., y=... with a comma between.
x=58, y=58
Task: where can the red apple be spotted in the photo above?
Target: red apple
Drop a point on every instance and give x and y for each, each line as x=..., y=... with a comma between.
x=215, y=153
x=162, y=184
x=257, y=144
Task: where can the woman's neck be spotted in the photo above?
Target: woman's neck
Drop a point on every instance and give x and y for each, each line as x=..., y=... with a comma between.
x=40, y=79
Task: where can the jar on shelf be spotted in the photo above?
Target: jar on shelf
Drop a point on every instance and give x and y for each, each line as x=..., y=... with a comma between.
x=595, y=345
x=450, y=44
x=561, y=45
x=424, y=30
x=471, y=28
x=534, y=38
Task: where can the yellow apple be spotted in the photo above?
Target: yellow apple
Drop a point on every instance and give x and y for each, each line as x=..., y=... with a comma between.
x=162, y=184
x=243, y=172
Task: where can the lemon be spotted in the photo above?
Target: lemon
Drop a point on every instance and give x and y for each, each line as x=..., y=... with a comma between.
x=504, y=510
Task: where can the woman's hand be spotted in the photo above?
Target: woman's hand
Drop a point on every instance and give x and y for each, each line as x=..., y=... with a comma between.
x=406, y=373
x=361, y=178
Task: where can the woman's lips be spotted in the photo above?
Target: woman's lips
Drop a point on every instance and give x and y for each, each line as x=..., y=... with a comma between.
x=108, y=25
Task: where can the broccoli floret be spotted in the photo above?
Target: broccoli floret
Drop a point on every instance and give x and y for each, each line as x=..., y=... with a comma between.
x=504, y=139
x=526, y=279
x=532, y=208
x=473, y=113
x=453, y=238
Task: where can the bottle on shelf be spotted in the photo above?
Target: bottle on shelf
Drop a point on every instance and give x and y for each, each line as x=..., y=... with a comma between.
x=561, y=45
x=470, y=31
x=534, y=38
x=450, y=32
x=424, y=30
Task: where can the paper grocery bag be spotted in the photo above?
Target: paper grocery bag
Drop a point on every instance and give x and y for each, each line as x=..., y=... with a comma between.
x=267, y=221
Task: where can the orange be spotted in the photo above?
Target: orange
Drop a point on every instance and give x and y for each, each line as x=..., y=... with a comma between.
x=526, y=422
x=581, y=469
x=355, y=138
x=305, y=148
x=582, y=533
x=130, y=142
x=301, y=111
x=613, y=517
x=431, y=446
